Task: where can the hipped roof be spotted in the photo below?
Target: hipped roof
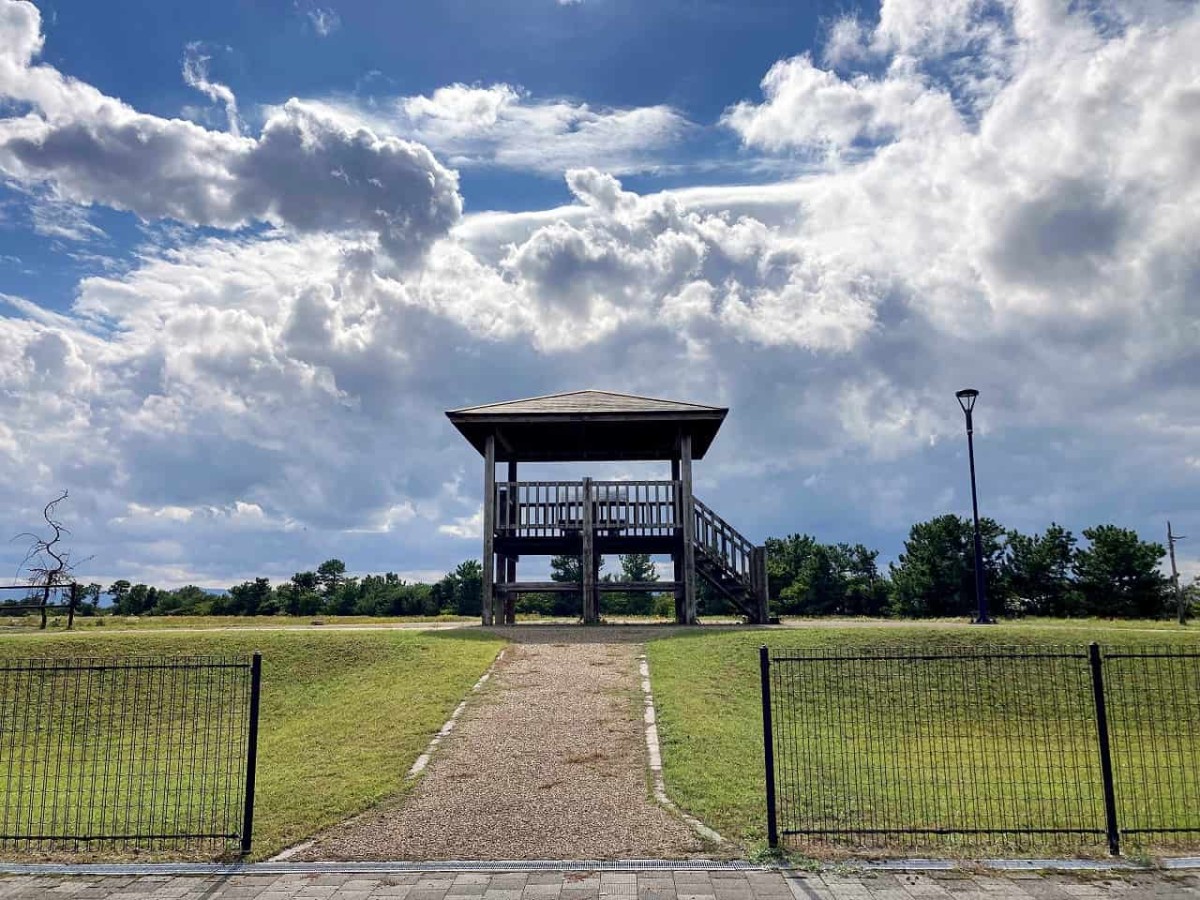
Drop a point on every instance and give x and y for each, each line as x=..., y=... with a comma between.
x=591, y=425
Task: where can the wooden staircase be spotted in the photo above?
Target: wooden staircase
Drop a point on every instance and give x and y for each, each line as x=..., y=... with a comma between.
x=730, y=563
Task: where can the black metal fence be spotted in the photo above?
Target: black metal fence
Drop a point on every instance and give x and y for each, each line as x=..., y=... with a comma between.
x=142, y=753
x=1007, y=748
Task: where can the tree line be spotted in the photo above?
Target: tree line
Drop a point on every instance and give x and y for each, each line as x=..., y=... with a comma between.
x=1113, y=573
x=326, y=591
x=330, y=591
x=1110, y=573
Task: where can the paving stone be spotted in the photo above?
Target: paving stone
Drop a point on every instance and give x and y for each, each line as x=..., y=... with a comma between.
x=809, y=889
x=650, y=893
x=590, y=886
x=689, y=885
x=510, y=880
x=999, y=887
x=589, y=883
x=844, y=890
x=434, y=883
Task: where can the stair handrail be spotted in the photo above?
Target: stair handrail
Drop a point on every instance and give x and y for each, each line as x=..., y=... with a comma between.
x=723, y=541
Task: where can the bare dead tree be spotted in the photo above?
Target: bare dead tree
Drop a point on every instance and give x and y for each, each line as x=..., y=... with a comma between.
x=47, y=563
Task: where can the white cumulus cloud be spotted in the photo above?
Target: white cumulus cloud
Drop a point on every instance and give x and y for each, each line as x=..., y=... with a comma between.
x=305, y=171
x=501, y=125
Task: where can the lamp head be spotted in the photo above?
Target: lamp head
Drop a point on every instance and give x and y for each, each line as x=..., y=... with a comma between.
x=966, y=398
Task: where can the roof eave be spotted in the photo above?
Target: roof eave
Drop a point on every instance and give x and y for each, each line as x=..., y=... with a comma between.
x=482, y=418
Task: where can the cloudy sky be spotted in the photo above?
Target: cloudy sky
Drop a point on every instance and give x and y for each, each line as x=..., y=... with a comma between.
x=250, y=252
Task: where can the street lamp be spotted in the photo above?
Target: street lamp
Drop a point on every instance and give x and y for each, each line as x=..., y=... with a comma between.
x=966, y=399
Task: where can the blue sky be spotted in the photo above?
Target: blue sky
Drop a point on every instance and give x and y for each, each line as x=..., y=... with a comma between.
x=250, y=252
x=695, y=57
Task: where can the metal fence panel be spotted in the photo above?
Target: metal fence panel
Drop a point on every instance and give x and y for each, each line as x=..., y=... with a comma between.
x=147, y=753
x=1003, y=747
x=1153, y=700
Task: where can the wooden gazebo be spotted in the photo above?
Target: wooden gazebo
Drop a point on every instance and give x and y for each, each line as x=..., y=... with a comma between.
x=589, y=518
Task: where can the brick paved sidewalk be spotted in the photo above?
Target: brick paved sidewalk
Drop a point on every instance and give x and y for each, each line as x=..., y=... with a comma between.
x=657, y=885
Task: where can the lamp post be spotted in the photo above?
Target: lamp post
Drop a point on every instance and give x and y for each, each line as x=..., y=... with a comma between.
x=1181, y=606
x=966, y=399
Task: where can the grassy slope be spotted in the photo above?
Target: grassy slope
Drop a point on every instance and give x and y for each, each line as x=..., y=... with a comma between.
x=344, y=714
x=710, y=715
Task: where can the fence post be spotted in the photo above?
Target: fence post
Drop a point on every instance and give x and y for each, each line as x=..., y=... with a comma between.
x=251, y=752
x=764, y=664
x=1110, y=798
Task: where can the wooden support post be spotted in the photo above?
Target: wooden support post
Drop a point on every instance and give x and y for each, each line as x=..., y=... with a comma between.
x=677, y=554
x=501, y=595
x=489, y=528
x=765, y=581
x=587, y=563
x=689, y=529
x=510, y=575
x=677, y=577
x=503, y=518
x=758, y=579
x=510, y=599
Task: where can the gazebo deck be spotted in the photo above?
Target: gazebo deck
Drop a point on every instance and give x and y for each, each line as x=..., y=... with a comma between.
x=552, y=517
x=589, y=518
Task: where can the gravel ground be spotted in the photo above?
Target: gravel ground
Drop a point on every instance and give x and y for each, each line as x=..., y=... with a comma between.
x=547, y=762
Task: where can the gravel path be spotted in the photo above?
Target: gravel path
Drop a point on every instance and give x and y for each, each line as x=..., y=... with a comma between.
x=548, y=762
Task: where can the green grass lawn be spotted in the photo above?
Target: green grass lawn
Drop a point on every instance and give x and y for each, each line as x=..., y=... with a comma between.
x=344, y=713
x=710, y=720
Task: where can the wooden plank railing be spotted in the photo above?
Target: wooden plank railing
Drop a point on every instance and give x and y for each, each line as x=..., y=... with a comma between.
x=723, y=542
x=556, y=508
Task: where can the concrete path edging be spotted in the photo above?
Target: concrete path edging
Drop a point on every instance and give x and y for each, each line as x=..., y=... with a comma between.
x=654, y=757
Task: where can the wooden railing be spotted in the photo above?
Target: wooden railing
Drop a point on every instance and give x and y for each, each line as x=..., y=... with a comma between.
x=556, y=508
x=724, y=543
